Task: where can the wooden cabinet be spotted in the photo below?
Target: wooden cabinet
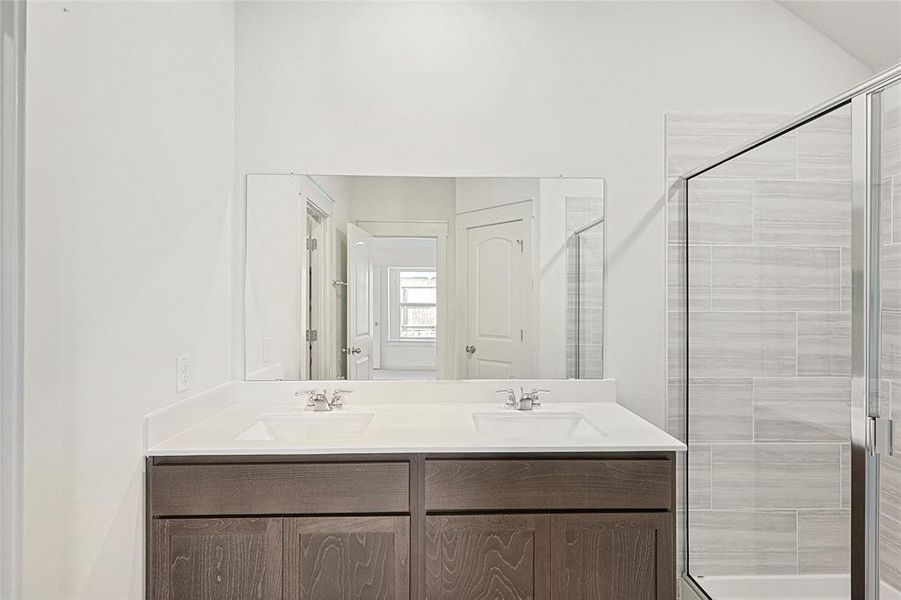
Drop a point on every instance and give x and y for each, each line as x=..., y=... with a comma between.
x=487, y=556
x=314, y=558
x=612, y=557
x=347, y=558
x=609, y=556
x=221, y=559
x=440, y=527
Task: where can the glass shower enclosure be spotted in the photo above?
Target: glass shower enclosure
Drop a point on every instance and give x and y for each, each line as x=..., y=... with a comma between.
x=788, y=358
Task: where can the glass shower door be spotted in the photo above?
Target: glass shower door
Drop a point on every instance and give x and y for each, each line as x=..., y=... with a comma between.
x=768, y=371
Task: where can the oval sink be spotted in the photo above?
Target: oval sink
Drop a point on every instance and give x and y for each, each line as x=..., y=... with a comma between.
x=534, y=425
x=307, y=426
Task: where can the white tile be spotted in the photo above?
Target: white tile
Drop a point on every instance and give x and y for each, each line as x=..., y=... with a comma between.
x=699, y=476
x=675, y=345
x=743, y=543
x=693, y=139
x=675, y=212
x=741, y=344
x=721, y=410
x=824, y=147
x=846, y=279
x=814, y=409
x=887, y=211
x=776, y=278
x=824, y=343
x=812, y=213
x=720, y=211
x=890, y=551
x=891, y=131
x=891, y=344
x=846, y=475
x=675, y=408
x=776, y=476
x=824, y=542
x=698, y=271
x=890, y=282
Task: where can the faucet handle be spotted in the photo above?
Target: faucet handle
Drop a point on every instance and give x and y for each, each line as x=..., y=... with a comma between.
x=337, y=400
x=311, y=394
x=511, y=396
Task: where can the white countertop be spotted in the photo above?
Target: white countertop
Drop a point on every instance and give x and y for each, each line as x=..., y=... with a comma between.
x=419, y=427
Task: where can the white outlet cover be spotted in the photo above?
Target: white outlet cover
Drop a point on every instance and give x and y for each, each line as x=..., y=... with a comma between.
x=184, y=367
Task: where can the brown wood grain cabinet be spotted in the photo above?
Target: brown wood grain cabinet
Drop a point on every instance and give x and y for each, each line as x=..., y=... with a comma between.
x=469, y=557
x=347, y=558
x=612, y=556
x=225, y=559
x=436, y=527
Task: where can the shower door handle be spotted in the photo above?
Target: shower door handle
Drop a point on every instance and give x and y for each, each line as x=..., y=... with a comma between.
x=883, y=436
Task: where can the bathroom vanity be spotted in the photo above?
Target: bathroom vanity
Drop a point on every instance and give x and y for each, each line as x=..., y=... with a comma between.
x=438, y=500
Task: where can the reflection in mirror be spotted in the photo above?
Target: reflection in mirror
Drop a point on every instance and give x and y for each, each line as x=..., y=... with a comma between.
x=362, y=277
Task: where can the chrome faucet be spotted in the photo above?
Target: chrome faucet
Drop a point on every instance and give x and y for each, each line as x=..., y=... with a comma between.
x=526, y=401
x=320, y=402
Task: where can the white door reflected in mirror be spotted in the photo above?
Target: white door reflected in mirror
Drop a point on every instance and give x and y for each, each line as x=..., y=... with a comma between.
x=359, y=304
x=495, y=247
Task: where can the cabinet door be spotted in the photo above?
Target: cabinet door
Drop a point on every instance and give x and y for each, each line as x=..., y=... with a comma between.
x=347, y=558
x=216, y=559
x=503, y=557
x=612, y=557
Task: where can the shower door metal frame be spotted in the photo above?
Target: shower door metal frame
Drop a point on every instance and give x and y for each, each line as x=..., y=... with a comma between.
x=865, y=251
x=864, y=101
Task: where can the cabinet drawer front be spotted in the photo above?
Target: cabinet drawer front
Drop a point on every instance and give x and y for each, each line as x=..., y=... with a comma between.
x=460, y=485
x=257, y=489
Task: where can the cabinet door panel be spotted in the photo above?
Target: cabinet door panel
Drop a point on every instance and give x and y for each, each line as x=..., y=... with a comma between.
x=347, y=558
x=501, y=557
x=612, y=557
x=217, y=559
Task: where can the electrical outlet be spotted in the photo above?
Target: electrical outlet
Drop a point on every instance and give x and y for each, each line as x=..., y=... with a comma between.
x=267, y=349
x=184, y=373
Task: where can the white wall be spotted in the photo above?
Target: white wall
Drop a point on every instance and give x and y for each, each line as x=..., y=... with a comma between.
x=130, y=166
x=526, y=89
x=476, y=193
x=401, y=199
x=275, y=293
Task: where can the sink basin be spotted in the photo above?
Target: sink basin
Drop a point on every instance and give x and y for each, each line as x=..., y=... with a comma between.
x=534, y=425
x=307, y=426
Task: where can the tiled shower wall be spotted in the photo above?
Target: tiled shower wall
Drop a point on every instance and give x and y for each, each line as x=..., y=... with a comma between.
x=585, y=282
x=890, y=499
x=769, y=300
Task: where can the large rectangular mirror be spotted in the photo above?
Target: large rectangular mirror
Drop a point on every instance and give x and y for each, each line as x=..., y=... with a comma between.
x=365, y=277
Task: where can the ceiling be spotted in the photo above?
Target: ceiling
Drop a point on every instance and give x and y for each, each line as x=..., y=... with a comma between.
x=869, y=30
